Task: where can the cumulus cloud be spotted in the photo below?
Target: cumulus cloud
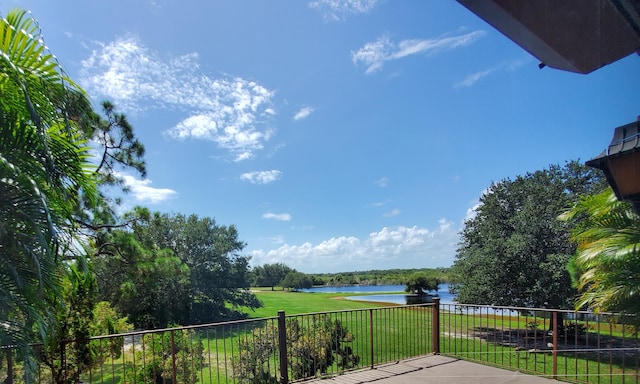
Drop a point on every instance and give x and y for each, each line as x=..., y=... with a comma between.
x=474, y=205
x=142, y=190
x=261, y=177
x=277, y=216
x=374, y=54
x=338, y=10
x=230, y=111
x=303, y=113
x=399, y=247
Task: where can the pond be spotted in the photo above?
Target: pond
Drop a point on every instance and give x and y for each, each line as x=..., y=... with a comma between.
x=386, y=293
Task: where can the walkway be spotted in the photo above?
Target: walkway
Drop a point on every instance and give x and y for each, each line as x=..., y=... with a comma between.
x=435, y=369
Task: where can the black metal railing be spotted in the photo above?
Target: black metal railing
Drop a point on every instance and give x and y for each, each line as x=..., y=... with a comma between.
x=565, y=345
x=267, y=350
x=560, y=344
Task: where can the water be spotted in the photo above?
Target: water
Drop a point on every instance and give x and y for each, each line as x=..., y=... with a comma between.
x=384, y=293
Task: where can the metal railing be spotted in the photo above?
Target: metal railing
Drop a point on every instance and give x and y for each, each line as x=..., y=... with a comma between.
x=565, y=345
x=267, y=350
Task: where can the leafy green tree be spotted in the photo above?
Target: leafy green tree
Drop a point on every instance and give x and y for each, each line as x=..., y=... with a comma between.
x=44, y=163
x=49, y=193
x=270, y=275
x=606, y=267
x=219, y=273
x=68, y=350
x=148, y=284
x=296, y=280
x=514, y=252
x=418, y=283
x=174, y=269
x=107, y=321
x=70, y=334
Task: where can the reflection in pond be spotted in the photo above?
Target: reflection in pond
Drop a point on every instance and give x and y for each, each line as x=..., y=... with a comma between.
x=394, y=298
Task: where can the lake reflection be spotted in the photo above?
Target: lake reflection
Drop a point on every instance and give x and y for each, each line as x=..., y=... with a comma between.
x=394, y=298
x=386, y=294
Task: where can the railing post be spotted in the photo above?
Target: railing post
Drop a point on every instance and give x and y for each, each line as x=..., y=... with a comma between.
x=282, y=347
x=9, y=366
x=555, y=331
x=173, y=358
x=373, y=360
x=435, y=326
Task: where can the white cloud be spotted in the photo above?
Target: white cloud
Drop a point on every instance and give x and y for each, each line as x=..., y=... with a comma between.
x=277, y=216
x=143, y=191
x=338, y=10
x=473, y=78
x=230, y=111
x=477, y=76
x=382, y=182
x=474, y=205
x=399, y=247
x=374, y=54
x=261, y=177
x=393, y=212
x=303, y=113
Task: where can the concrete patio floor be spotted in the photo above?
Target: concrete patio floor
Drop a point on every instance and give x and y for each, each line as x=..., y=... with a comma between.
x=435, y=369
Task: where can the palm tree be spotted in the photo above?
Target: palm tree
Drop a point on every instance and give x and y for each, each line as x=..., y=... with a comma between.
x=44, y=168
x=606, y=267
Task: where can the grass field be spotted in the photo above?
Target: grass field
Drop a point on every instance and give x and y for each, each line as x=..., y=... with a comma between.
x=460, y=338
x=384, y=332
x=294, y=303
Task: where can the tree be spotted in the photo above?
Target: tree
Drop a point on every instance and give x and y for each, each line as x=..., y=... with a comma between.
x=296, y=280
x=606, y=267
x=78, y=319
x=116, y=150
x=270, y=275
x=175, y=269
x=514, y=252
x=44, y=164
x=144, y=282
x=418, y=283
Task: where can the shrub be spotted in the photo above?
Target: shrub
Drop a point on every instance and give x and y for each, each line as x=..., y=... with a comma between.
x=156, y=363
x=312, y=348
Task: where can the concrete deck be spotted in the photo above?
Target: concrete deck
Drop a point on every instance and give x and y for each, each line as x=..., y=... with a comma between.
x=435, y=370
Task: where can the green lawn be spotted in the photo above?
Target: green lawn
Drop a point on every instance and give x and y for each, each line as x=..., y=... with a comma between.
x=400, y=334
x=294, y=303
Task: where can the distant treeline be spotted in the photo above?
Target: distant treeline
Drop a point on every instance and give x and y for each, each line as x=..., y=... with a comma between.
x=377, y=277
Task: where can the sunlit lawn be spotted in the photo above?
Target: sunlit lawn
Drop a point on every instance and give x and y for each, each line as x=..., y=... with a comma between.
x=303, y=302
x=457, y=338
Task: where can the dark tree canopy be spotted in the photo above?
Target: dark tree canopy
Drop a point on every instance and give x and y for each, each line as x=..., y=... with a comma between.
x=175, y=269
x=419, y=283
x=270, y=275
x=297, y=280
x=514, y=252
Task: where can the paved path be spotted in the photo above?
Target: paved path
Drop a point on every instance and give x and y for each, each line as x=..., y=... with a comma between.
x=435, y=370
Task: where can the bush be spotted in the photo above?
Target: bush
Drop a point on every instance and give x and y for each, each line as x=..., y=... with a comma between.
x=155, y=365
x=312, y=348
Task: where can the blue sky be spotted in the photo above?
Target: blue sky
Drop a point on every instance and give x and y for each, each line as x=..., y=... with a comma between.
x=336, y=135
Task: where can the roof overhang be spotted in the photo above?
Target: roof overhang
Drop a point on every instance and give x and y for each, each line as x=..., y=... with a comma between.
x=572, y=35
